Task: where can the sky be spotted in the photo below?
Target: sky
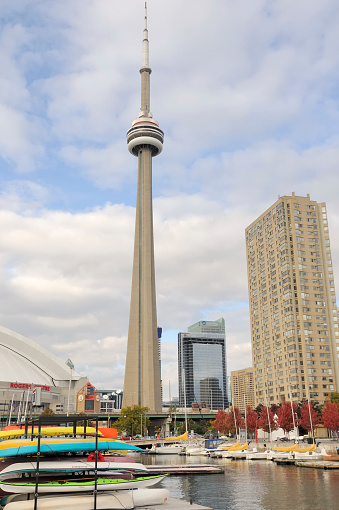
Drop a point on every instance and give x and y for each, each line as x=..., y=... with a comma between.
x=247, y=94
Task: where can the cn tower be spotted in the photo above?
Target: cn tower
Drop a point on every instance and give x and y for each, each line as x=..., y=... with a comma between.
x=142, y=372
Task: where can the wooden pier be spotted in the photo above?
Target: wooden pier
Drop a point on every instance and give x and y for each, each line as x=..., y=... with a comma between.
x=317, y=464
x=185, y=469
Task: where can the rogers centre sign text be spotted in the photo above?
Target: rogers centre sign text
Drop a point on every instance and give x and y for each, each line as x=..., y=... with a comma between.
x=23, y=386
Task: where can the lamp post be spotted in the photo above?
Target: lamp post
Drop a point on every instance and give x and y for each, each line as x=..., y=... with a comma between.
x=71, y=366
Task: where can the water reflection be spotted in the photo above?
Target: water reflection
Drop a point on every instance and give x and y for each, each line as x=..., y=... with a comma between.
x=253, y=485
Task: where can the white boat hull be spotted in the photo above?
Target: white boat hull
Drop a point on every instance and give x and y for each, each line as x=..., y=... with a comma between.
x=257, y=455
x=126, y=500
x=307, y=456
x=167, y=450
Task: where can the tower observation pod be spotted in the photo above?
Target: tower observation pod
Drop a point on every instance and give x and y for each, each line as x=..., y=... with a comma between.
x=142, y=384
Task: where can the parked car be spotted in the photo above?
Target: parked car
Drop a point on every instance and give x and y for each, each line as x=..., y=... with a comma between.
x=127, y=438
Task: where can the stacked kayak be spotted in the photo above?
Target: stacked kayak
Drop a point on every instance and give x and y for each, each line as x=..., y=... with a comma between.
x=52, y=472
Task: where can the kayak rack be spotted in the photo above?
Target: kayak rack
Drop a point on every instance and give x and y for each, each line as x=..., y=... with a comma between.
x=60, y=420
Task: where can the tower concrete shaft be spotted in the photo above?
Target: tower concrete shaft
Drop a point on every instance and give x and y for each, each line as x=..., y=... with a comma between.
x=142, y=384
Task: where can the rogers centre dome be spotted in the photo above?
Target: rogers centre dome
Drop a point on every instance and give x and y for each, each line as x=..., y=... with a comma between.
x=23, y=360
x=24, y=366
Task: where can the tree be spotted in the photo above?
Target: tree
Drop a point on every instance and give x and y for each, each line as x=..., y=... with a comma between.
x=285, y=417
x=305, y=421
x=330, y=417
x=266, y=421
x=251, y=419
x=220, y=422
x=47, y=412
x=335, y=398
x=224, y=421
x=235, y=420
x=132, y=420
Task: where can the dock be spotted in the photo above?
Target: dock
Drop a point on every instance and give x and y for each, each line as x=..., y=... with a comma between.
x=185, y=469
x=317, y=464
x=178, y=504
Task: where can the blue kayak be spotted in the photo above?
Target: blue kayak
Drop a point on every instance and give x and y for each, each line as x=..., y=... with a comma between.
x=67, y=445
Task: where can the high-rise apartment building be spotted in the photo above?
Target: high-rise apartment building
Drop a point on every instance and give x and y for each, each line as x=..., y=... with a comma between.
x=202, y=365
x=294, y=320
x=242, y=388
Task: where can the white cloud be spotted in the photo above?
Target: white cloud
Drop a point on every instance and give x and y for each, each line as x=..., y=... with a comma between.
x=247, y=94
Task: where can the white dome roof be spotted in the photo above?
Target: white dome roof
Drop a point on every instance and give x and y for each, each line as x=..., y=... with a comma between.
x=24, y=361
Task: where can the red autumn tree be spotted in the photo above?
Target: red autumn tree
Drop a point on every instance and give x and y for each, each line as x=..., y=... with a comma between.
x=285, y=417
x=220, y=422
x=236, y=419
x=330, y=417
x=225, y=422
x=266, y=420
x=251, y=418
x=305, y=421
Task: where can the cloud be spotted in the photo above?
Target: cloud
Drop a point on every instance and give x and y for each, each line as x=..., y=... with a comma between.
x=247, y=94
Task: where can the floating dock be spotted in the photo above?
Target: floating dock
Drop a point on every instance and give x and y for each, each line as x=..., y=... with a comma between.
x=185, y=469
x=178, y=504
x=317, y=464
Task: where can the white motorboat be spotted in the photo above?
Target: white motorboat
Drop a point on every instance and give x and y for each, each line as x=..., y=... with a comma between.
x=166, y=449
x=312, y=455
x=256, y=455
x=273, y=455
x=195, y=450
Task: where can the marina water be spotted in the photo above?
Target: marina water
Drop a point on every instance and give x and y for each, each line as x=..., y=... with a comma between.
x=252, y=485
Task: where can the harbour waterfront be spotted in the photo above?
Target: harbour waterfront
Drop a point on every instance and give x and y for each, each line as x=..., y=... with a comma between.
x=252, y=485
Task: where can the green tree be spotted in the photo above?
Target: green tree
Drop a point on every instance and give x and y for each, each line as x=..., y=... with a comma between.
x=132, y=420
x=47, y=412
x=335, y=398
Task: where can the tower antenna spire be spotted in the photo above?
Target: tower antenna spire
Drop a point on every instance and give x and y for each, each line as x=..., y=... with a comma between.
x=145, y=44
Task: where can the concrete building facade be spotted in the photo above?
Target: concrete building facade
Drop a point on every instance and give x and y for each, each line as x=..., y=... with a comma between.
x=294, y=320
x=242, y=385
x=202, y=365
x=142, y=384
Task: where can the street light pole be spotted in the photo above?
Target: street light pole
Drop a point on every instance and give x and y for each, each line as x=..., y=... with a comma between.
x=71, y=366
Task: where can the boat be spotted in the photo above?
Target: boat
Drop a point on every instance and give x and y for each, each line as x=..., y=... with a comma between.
x=311, y=455
x=195, y=450
x=227, y=448
x=213, y=445
x=105, y=501
x=333, y=457
x=237, y=451
x=308, y=453
x=19, y=447
x=166, y=449
x=80, y=483
x=256, y=455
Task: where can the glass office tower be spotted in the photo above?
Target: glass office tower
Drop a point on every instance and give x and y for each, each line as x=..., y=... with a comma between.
x=202, y=365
